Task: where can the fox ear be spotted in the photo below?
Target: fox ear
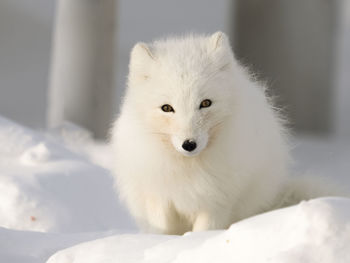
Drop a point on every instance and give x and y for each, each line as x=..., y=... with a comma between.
x=217, y=41
x=141, y=53
x=140, y=59
x=220, y=49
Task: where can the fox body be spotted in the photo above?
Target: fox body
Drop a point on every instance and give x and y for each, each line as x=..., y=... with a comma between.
x=197, y=144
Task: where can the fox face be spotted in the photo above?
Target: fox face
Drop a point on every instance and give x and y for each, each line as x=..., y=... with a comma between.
x=187, y=122
x=182, y=91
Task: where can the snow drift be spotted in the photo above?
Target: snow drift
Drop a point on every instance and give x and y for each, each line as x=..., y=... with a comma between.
x=311, y=232
x=45, y=186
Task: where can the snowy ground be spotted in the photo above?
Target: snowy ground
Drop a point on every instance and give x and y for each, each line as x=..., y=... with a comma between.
x=313, y=232
x=56, y=195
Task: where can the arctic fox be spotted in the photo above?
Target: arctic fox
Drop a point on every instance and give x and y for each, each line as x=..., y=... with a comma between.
x=198, y=145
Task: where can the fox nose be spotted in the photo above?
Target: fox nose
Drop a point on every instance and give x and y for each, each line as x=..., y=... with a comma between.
x=189, y=145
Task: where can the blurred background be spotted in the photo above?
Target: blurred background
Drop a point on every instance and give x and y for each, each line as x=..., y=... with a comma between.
x=67, y=60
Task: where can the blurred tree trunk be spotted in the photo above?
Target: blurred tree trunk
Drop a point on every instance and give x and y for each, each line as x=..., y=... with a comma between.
x=290, y=44
x=81, y=81
x=342, y=78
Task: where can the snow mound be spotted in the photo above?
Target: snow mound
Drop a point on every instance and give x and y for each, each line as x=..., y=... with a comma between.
x=46, y=186
x=313, y=231
x=36, y=247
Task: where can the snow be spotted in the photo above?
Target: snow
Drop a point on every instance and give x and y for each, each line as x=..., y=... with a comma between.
x=313, y=231
x=44, y=186
x=322, y=156
x=34, y=247
x=58, y=204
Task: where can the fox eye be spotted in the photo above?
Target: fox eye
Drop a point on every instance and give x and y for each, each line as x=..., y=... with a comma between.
x=205, y=104
x=167, y=108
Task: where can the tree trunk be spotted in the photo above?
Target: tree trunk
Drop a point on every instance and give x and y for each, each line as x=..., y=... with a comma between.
x=81, y=83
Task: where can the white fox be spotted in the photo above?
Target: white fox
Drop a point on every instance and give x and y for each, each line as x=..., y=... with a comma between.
x=197, y=145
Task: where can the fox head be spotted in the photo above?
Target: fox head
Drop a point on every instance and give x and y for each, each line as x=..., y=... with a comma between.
x=181, y=89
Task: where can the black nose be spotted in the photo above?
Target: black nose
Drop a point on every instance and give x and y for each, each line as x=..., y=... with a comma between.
x=189, y=145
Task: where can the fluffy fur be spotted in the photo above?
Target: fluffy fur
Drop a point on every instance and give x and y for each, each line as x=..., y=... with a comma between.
x=239, y=167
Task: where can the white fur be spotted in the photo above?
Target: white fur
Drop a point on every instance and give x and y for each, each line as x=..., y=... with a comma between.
x=240, y=164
